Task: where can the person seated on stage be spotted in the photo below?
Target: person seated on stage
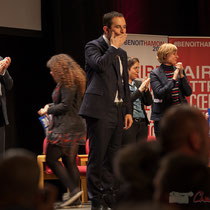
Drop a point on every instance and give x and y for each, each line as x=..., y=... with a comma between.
x=182, y=181
x=19, y=178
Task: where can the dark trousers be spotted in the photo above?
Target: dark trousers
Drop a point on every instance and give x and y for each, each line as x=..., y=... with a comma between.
x=2, y=140
x=137, y=132
x=104, y=141
x=157, y=128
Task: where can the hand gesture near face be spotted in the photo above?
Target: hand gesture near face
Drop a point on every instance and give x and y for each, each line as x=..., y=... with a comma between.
x=176, y=73
x=180, y=67
x=118, y=40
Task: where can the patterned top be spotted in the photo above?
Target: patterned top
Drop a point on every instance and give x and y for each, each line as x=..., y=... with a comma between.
x=169, y=72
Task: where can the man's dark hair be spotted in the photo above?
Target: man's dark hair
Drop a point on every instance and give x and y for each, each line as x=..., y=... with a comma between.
x=107, y=18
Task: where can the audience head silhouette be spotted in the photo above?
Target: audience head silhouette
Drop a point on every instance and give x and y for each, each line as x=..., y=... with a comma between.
x=184, y=128
x=182, y=180
x=19, y=178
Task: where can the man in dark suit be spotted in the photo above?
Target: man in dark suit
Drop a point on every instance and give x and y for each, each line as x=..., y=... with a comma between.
x=106, y=107
x=6, y=83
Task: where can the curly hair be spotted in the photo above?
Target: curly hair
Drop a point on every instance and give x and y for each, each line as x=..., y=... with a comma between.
x=67, y=71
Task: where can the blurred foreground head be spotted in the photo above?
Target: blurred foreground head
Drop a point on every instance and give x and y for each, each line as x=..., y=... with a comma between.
x=19, y=178
x=183, y=181
x=184, y=128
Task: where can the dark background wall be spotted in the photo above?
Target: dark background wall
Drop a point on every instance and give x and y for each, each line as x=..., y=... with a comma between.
x=66, y=27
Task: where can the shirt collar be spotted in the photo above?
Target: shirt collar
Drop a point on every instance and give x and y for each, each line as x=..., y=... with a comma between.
x=106, y=40
x=132, y=83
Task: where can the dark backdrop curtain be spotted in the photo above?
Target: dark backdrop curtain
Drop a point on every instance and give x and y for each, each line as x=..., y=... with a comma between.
x=71, y=24
x=164, y=17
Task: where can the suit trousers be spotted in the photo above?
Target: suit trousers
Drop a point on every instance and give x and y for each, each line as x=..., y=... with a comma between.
x=137, y=132
x=157, y=128
x=104, y=141
x=2, y=140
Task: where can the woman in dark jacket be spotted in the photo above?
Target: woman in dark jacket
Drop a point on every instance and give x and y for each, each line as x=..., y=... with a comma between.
x=168, y=82
x=140, y=96
x=67, y=128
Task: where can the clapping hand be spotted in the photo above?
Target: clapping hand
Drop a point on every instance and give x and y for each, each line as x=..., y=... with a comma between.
x=4, y=64
x=176, y=73
x=144, y=85
x=181, y=68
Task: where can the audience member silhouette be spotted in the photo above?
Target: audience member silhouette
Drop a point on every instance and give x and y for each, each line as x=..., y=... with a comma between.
x=136, y=166
x=185, y=129
x=183, y=181
x=19, y=178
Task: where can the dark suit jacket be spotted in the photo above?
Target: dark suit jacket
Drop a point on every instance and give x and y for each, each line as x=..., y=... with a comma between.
x=145, y=98
x=65, y=112
x=101, y=70
x=162, y=91
x=6, y=84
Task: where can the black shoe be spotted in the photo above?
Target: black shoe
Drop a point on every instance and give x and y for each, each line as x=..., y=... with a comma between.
x=101, y=206
x=108, y=201
x=98, y=207
x=96, y=204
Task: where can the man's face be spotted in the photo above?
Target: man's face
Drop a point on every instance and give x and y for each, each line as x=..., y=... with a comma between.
x=118, y=26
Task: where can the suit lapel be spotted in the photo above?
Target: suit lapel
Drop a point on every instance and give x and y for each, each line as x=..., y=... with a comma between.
x=163, y=77
x=102, y=43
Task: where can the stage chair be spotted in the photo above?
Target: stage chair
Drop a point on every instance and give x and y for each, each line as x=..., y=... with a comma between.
x=82, y=166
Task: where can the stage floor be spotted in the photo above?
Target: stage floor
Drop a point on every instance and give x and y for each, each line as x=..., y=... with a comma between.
x=85, y=206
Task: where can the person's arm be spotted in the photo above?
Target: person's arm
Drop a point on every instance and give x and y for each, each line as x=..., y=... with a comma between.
x=160, y=90
x=6, y=80
x=147, y=98
x=97, y=60
x=143, y=92
x=63, y=106
x=5, y=77
x=185, y=86
x=100, y=60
